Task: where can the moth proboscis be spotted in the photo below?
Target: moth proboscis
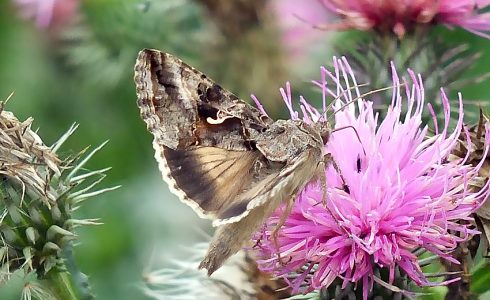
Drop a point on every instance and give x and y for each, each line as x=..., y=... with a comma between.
x=221, y=156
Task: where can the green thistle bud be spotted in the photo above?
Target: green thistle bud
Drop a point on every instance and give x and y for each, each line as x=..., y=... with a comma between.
x=472, y=147
x=38, y=193
x=441, y=65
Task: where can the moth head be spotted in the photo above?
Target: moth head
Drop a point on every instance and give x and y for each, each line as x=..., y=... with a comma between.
x=318, y=131
x=323, y=129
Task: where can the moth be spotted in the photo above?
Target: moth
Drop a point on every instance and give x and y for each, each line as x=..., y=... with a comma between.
x=221, y=156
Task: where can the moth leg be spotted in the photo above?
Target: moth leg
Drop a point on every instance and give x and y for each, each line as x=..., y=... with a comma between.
x=257, y=243
x=282, y=221
x=323, y=182
x=328, y=160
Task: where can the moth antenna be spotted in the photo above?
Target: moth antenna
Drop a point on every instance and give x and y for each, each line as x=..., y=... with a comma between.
x=364, y=95
x=355, y=131
x=343, y=94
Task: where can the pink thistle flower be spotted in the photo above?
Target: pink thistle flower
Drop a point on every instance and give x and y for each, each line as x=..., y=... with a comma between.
x=401, y=193
x=293, y=21
x=402, y=16
x=48, y=13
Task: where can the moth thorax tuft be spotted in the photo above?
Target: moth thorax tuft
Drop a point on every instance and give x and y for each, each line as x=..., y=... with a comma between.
x=324, y=130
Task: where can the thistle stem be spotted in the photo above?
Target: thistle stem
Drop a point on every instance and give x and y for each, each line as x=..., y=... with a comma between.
x=67, y=282
x=61, y=285
x=79, y=278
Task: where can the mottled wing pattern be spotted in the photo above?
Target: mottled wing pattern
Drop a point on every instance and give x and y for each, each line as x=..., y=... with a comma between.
x=203, y=138
x=179, y=104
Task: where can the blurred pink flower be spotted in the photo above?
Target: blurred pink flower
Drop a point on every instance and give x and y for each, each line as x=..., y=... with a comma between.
x=401, y=16
x=48, y=13
x=295, y=20
x=401, y=193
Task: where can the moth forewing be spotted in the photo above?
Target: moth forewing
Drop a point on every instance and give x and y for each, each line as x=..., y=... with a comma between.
x=176, y=102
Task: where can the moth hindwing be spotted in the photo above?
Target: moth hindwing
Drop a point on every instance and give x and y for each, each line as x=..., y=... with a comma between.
x=220, y=155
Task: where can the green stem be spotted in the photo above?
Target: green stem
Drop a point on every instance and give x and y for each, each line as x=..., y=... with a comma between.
x=79, y=278
x=61, y=285
x=66, y=282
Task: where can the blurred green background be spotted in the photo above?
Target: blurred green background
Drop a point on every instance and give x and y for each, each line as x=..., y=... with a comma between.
x=80, y=69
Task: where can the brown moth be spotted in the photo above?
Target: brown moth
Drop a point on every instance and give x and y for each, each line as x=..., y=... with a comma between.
x=220, y=155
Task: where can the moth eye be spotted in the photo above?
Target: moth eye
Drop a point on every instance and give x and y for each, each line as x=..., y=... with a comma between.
x=325, y=137
x=267, y=289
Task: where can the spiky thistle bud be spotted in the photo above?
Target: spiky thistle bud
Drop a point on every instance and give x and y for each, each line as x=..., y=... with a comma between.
x=38, y=194
x=441, y=65
x=472, y=147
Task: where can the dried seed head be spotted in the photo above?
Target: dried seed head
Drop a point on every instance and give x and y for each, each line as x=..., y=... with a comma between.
x=239, y=278
x=33, y=290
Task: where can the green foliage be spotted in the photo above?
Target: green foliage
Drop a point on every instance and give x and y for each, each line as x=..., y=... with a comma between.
x=103, y=47
x=441, y=63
